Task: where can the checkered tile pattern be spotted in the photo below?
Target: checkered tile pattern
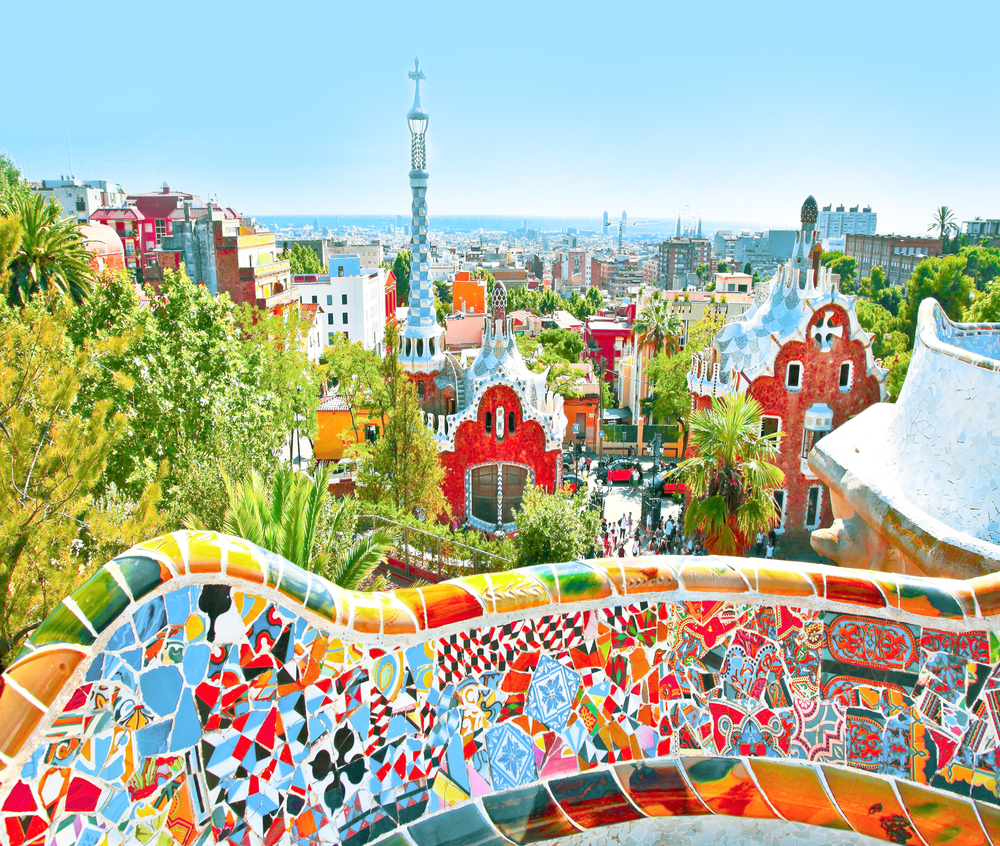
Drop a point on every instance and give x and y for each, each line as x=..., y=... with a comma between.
x=422, y=311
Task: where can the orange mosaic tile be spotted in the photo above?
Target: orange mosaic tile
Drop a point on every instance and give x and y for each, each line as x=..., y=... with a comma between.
x=712, y=577
x=19, y=719
x=870, y=805
x=447, y=603
x=43, y=673
x=796, y=792
x=633, y=576
x=773, y=581
x=941, y=818
x=727, y=788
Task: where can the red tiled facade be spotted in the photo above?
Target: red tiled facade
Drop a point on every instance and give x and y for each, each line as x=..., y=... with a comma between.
x=473, y=446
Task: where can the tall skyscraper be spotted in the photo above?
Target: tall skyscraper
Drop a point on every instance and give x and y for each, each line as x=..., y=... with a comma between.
x=423, y=340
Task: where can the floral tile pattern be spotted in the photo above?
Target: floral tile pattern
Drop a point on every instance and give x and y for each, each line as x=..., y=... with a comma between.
x=215, y=707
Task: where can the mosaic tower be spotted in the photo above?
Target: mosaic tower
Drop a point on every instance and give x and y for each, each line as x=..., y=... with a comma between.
x=423, y=340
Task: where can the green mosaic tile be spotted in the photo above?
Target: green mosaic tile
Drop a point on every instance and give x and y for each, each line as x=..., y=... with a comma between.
x=62, y=626
x=101, y=599
x=141, y=574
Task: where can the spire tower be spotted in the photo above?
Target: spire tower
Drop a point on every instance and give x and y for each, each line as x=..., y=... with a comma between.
x=423, y=340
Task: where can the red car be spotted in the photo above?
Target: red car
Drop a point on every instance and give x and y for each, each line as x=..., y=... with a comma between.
x=619, y=470
x=572, y=481
x=672, y=486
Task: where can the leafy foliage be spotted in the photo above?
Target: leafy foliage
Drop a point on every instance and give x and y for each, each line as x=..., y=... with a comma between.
x=553, y=527
x=53, y=530
x=303, y=259
x=845, y=266
x=731, y=477
x=11, y=181
x=402, y=465
x=659, y=326
x=200, y=384
x=943, y=221
x=289, y=516
x=401, y=270
x=50, y=257
x=942, y=278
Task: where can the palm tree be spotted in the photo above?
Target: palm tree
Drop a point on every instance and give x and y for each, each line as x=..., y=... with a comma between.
x=51, y=257
x=285, y=517
x=943, y=221
x=659, y=326
x=730, y=477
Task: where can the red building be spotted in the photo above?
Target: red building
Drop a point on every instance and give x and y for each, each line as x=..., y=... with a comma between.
x=605, y=340
x=499, y=428
x=145, y=221
x=105, y=247
x=800, y=352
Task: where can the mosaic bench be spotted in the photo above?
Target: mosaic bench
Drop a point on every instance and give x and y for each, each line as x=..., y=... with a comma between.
x=198, y=689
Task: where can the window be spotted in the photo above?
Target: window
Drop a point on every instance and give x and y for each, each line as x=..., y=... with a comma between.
x=779, y=504
x=371, y=432
x=846, y=372
x=343, y=299
x=514, y=480
x=420, y=390
x=793, y=376
x=329, y=299
x=340, y=270
x=488, y=422
x=484, y=493
x=161, y=229
x=81, y=205
x=345, y=317
x=768, y=426
x=501, y=423
x=329, y=320
x=314, y=300
x=812, y=506
x=510, y=422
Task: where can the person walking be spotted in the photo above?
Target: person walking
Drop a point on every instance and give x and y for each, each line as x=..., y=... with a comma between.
x=649, y=523
x=759, y=546
x=770, y=551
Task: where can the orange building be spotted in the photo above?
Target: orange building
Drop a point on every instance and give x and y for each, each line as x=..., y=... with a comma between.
x=468, y=295
x=335, y=430
x=581, y=412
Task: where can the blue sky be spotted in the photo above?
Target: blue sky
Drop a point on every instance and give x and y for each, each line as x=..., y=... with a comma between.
x=736, y=110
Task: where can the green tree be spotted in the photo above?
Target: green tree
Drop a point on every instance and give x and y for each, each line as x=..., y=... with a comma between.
x=199, y=383
x=402, y=466
x=11, y=181
x=898, y=364
x=658, y=326
x=986, y=307
x=701, y=271
x=748, y=269
x=942, y=278
x=401, y=270
x=668, y=374
x=844, y=266
x=553, y=527
x=731, y=477
x=563, y=343
x=52, y=460
x=286, y=516
x=722, y=267
x=302, y=259
x=51, y=257
x=943, y=221
x=877, y=320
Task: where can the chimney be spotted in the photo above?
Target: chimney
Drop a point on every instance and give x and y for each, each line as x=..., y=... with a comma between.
x=166, y=188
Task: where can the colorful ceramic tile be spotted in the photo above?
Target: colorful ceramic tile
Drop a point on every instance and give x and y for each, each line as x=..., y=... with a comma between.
x=527, y=815
x=660, y=789
x=941, y=818
x=593, y=799
x=725, y=785
x=461, y=827
x=797, y=793
x=870, y=805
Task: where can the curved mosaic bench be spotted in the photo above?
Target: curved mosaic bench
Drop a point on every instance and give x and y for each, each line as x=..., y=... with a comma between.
x=199, y=689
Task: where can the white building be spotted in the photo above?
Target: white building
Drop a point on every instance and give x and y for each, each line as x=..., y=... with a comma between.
x=353, y=304
x=79, y=198
x=370, y=253
x=835, y=224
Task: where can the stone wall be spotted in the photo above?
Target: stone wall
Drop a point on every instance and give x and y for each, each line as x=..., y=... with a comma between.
x=199, y=689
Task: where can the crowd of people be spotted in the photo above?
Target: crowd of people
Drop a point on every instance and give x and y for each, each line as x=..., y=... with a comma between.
x=627, y=538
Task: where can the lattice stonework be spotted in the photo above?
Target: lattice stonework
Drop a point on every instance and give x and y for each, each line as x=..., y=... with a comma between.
x=422, y=312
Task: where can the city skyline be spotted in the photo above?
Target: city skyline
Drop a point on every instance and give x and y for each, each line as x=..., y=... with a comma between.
x=639, y=115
